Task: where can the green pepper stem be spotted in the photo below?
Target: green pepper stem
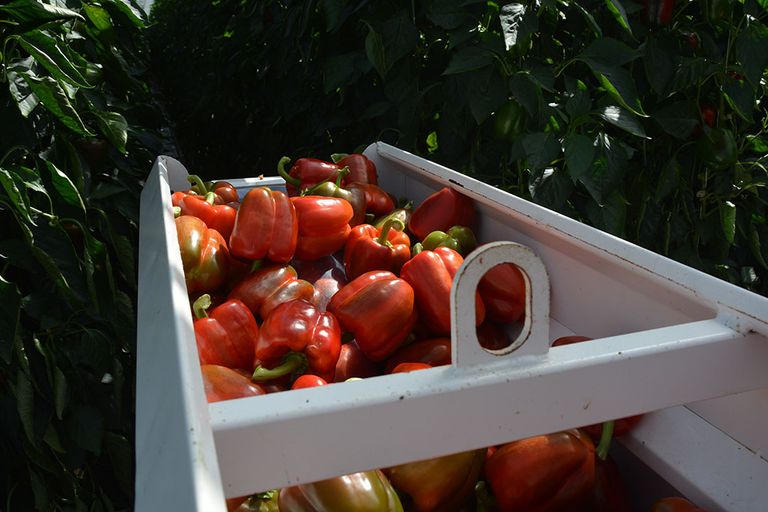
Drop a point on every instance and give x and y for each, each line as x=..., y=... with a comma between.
x=210, y=198
x=256, y=265
x=605, y=440
x=340, y=175
x=201, y=305
x=294, y=362
x=416, y=249
x=176, y=211
x=337, y=157
x=291, y=180
x=197, y=184
x=397, y=224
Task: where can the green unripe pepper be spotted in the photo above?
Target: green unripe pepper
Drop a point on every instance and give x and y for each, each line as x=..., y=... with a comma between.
x=459, y=238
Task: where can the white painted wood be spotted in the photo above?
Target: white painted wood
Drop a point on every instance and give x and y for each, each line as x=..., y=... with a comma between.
x=177, y=467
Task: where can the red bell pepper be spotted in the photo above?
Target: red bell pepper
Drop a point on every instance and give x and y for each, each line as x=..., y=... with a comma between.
x=430, y=273
x=266, y=226
x=222, y=383
x=439, y=484
x=297, y=338
x=204, y=255
x=377, y=201
x=503, y=291
x=266, y=288
x=675, y=504
x=410, y=367
x=361, y=168
x=226, y=337
x=368, y=491
x=308, y=381
x=224, y=192
x=326, y=275
x=355, y=197
x=306, y=173
x=433, y=351
x=353, y=363
x=492, y=336
x=440, y=211
x=323, y=224
x=543, y=473
x=659, y=12
x=220, y=217
x=379, y=309
x=368, y=248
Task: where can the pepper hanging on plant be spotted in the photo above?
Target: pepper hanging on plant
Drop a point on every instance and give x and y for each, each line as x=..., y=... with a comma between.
x=659, y=12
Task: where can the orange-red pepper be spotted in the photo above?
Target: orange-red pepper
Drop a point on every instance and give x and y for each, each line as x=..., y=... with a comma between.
x=440, y=211
x=361, y=168
x=227, y=336
x=379, y=309
x=222, y=383
x=503, y=291
x=543, y=473
x=433, y=351
x=204, y=255
x=377, y=201
x=266, y=226
x=268, y=287
x=430, y=273
x=220, y=217
x=368, y=248
x=297, y=338
x=305, y=173
x=323, y=225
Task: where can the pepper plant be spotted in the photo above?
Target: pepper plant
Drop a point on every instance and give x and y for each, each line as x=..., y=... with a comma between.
x=78, y=134
x=644, y=119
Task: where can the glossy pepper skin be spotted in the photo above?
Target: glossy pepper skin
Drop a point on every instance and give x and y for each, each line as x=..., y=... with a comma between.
x=297, y=338
x=459, y=238
x=377, y=201
x=308, y=381
x=222, y=383
x=433, y=351
x=355, y=197
x=543, y=473
x=305, y=173
x=440, y=211
x=227, y=336
x=368, y=248
x=266, y=288
x=204, y=255
x=367, y=491
x=503, y=291
x=430, y=273
x=266, y=226
x=323, y=225
x=220, y=217
x=379, y=309
x=353, y=363
x=442, y=484
x=361, y=168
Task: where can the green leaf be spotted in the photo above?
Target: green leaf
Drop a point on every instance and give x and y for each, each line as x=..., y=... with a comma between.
x=27, y=11
x=25, y=404
x=669, y=180
x=728, y=220
x=620, y=14
x=659, y=62
x=596, y=30
x=59, y=391
x=579, y=104
x=550, y=187
x=17, y=197
x=449, y=14
x=526, y=92
x=618, y=82
x=10, y=298
x=21, y=92
x=540, y=149
x=99, y=17
x=607, y=53
x=579, y=155
x=468, y=59
x=64, y=186
x=755, y=245
x=85, y=425
x=740, y=96
x=120, y=454
x=611, y=216
x=336, y=13
x=114, y=127
x=750, y=50
x=487, y=92
x=678, y=119
x=46, y=51
x=627, y=121
x=342, y=70
x=136, y=16
x=55, y=100
x=374, y=49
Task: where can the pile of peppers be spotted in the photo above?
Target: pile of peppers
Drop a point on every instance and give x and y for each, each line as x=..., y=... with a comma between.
x=333, y=279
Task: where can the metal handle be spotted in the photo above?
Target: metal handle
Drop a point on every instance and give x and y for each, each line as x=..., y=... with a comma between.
x=534, y=338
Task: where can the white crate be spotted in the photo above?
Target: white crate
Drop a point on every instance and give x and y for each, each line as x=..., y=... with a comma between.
x=668, y=335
